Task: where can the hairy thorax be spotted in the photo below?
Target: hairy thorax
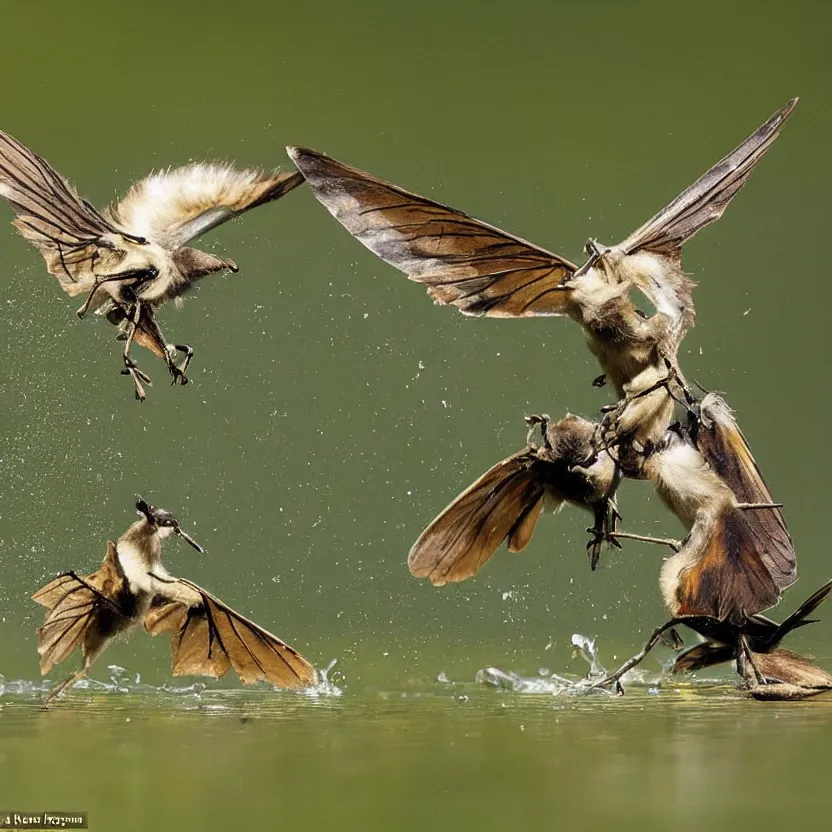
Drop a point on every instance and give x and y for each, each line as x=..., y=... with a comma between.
x=139, y=552
x=621, y=337
x=673, y=569
x=127, y=256
x=687, y=485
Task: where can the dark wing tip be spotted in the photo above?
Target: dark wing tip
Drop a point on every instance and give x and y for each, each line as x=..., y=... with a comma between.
x=283, y=182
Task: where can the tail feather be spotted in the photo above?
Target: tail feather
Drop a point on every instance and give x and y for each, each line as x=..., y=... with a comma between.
x=798, y=617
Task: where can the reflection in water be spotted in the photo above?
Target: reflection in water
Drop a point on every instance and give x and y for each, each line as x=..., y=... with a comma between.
x=472, y=756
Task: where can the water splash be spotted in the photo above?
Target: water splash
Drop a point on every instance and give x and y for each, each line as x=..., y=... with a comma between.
x=556, y=684
x=328, y=682
x=507, y=680
x=123, y=682
x=22, y=687
x=586, y=648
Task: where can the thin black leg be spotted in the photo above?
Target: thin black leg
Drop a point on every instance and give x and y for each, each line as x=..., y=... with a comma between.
x=143, y=276
x=654, y=639
x=130, y=367
x=152, y=324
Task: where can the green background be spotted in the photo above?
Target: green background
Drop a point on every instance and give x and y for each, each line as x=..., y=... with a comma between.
x=334, y=410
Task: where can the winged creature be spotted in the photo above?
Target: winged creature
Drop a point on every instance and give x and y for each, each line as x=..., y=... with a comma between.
x=736, y=560
x=738, y=556
x=768, y=671
x=133, y=256
x=504, y=504
x=132, y=588
x=484, y=271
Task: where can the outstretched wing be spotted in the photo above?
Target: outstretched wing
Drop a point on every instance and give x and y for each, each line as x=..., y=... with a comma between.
x=722, y=444
x=51, y=215
x=81, y=612
x=208, y=637
x=462, y=261
x=657, y=245
x=171, y=207
x=707, y=198
x=504, y=503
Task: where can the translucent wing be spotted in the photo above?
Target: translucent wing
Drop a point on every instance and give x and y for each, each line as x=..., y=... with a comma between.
x=208, y=638
x=81, y=612
x=51, y=215
x=462, y=261
x=504, y=503
x=707, y=198
x=173, y=206
x=722, y=444
x=657, y=246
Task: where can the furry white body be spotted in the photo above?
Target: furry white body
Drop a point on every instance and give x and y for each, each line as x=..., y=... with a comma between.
x=132, y=587
x=698, y=497
x=131, y=257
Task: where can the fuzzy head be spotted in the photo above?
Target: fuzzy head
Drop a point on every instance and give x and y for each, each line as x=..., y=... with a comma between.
x=596, y=253
x=163, y=523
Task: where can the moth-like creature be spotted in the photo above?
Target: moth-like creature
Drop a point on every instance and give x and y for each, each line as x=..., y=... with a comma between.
x=731, y=565
x=482, y=270
x=769, y=671
x=132, y=257
x=131, y=588
x=505, y=503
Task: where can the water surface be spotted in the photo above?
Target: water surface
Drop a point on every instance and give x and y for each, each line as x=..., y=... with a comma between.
x=433, y=755
x=333, y=410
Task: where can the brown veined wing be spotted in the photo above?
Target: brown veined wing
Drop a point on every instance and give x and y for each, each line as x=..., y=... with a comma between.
x=503, y=504
x=208, y=638
x=66, y=229
x=463, y=262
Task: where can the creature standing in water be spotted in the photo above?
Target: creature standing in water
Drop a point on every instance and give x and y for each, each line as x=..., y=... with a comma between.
x=768, y=671
x=132, y=257
x=132, y=587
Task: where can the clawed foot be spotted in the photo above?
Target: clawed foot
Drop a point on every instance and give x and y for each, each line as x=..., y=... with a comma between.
x=178, y=375
x=178, y=372
x=672, y=639
x=138, y=376
x=610, y=681
x=599, y=538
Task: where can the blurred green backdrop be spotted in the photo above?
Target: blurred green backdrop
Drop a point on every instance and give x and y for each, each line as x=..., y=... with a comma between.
x=333, y=409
